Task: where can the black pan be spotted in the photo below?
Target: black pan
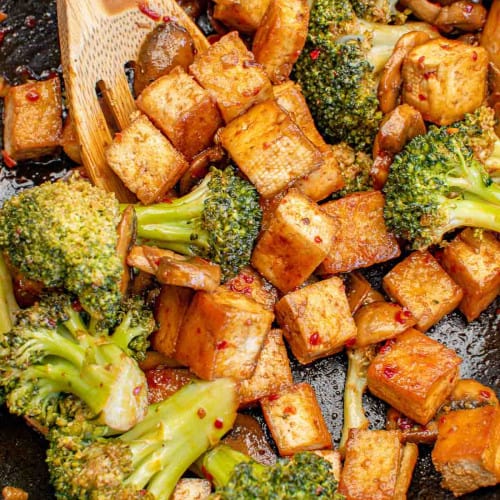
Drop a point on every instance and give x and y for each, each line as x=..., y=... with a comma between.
x=30, y=49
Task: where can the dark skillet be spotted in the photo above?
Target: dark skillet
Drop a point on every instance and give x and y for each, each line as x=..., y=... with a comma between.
x=30, y=50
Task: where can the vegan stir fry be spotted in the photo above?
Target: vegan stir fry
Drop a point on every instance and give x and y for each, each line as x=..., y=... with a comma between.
x=309, y=142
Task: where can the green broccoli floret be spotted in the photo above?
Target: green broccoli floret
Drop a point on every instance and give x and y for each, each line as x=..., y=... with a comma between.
x=378, y=11
x=338, y=70
x=219, y=220
x=50, y=353
x=64, y=235
x=436, y=185
x=237, y=477
x=358, y=361
x=147, y=461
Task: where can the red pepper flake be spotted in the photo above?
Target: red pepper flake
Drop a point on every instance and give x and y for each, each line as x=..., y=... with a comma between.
x=429, y=74
x=468, y=8
x=202, y=413
x=387, y=346
x=485, y=394
x=314, y=54
x=218, y=423
x=315, y=339
x=389, y=371
x=266, y=145
x=30, y=21
x=445, y=46
x=474, y=55
x=442, y=420
x=350, y=342
x=213, y=39
x=247, y=278
x=422, y=97
x=221, y=345
x=421, y=60
x=32, y=95
x=137, y=390
x=167, y=19
x=2, y=35
x=8, y=160
x=273, y=397
x=248, y=322
x=206, y=474
x=404, y=423
x=306, y=221
x=402, y=316
x=290, y=410
x=148, y=11
x=76, y=306
x=318, y=239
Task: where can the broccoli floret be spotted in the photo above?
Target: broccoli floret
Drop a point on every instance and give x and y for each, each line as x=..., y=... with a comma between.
x=219, y=220
x=50, y=353
x=147, y=461
x=238, y=477
x=358, y=361
x=378, y=11
x=64, y=235
x=338, y=70
x=8, y=304
x=436, y=185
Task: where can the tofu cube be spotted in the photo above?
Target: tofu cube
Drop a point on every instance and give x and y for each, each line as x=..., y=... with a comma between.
x=270, y=148
x=183, y=110
x=192, y=488
x=228, y=70
x=222, y=335
x=170, y=309
x=444, y=79
x=467, y=449
x=474, y=264
x=32, y=119
x=280, y=37
x=362, y=238
x=295, y=420
x=250, y=283
x=145, y=160
x=327, y=178
x=421, y=285
x=243, y=16
x=272, y=372
x=377, y=465
x=296, y=241
x=335, y=459
x=316, y=320
x=414, y=374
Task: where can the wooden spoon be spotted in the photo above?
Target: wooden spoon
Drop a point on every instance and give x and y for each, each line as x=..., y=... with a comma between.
x=98, y=38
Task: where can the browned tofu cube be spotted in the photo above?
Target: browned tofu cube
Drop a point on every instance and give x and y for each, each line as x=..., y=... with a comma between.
x=474, y=263
x=227, y=69
x=421, y=285
x=244, y=16
x=326, y=179
x=414, y=374
x=222, y=335
x=249, y=282
x=32, y=119
x=379, y=321
x=183, y=110
x=170, y=309
x=444, y=79
x=272, y=372
x=145, y=160
x=377, y=466
x=335, y=459
x=296, y=241
x=362, y=238
x=270, y=148
x=295, y=420
x=467, y=449
x=280, y=37
x=316, y=319
x=192, y=488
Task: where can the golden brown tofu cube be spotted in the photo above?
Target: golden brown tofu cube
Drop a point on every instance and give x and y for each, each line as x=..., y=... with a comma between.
x=474, y=263
x=145, y=160
x=32, y=119
x=227, y=69
x=249, y=282
x=327, y=178
x=270, y=148
x=280, y=37
x=192, y=488
x=170, y=309
x=414, y=374
x=362, y=238
x=272, y=372
x=421, y=285
x=243, y=16
x=379, y=321
x=296, y=241
x=467, y=449
x=377, y=466
x=316, y=319
x=335, y=459
x=444, y=79
x=183, y=110
x=295, y=420
x=222, y=335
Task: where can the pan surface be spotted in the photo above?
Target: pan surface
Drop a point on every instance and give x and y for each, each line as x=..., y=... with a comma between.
x=30, y=50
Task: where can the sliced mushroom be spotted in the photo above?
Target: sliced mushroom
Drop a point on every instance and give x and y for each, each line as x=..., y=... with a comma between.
x=126, y=235
x=462, y=15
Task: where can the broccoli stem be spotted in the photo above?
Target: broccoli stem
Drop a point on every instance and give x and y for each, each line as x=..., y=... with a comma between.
x=8, y=304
